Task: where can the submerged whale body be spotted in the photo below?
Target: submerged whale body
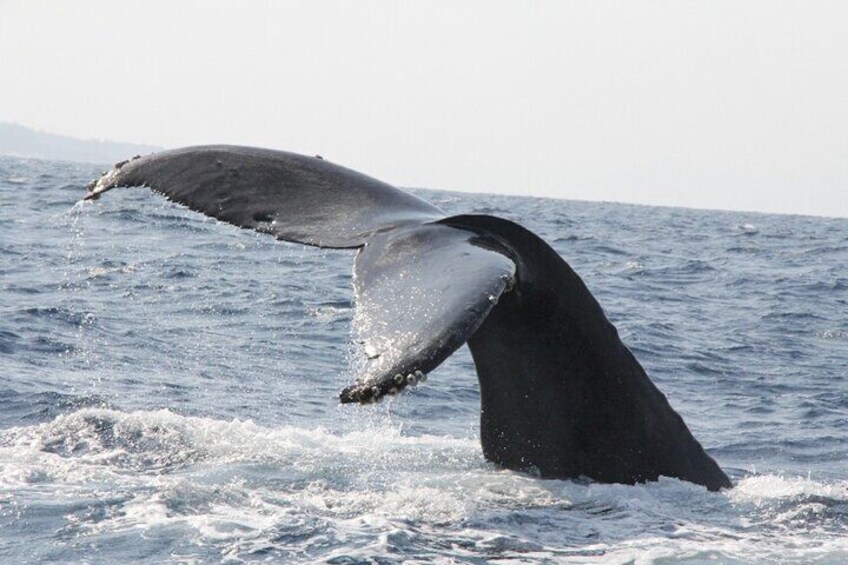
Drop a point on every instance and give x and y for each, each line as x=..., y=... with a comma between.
x=561, y=395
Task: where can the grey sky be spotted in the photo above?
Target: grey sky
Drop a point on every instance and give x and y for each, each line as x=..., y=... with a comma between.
x=734, y=105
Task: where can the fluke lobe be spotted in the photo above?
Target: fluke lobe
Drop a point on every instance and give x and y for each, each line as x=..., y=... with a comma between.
x=560, y=393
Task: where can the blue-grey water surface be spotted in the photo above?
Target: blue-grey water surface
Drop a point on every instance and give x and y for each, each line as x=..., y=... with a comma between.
x=169, y=392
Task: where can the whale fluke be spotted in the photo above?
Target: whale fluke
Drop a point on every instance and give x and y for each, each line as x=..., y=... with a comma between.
x=292, y=197
x=561, y=395
x=410, y=313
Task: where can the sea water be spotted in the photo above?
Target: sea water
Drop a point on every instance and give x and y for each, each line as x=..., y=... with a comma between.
x=169, y=392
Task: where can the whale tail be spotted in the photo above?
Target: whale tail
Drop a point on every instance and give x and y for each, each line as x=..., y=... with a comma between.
x=560, y=393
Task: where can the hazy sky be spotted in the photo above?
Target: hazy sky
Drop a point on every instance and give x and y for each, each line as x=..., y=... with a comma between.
x=733, y=105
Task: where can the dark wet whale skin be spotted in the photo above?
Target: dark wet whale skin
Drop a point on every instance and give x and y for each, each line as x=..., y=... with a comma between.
x=561, y=395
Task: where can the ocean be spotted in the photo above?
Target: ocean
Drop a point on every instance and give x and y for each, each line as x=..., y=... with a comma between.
x=169, y=392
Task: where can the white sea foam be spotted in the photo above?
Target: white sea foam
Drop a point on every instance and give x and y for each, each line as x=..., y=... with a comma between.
x=308, y=494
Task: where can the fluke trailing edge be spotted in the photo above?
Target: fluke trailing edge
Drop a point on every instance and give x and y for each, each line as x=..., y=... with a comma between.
x=560, y=393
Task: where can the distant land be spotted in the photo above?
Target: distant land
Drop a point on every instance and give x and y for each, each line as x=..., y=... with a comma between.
x=20, y=141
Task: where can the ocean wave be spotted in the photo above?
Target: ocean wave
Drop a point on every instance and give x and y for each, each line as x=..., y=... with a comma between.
x=135, y=303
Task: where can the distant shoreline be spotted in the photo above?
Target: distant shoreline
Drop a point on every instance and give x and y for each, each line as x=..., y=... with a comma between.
x=23, y=142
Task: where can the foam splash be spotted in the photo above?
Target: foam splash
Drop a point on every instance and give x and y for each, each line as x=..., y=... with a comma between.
x=238, y=490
